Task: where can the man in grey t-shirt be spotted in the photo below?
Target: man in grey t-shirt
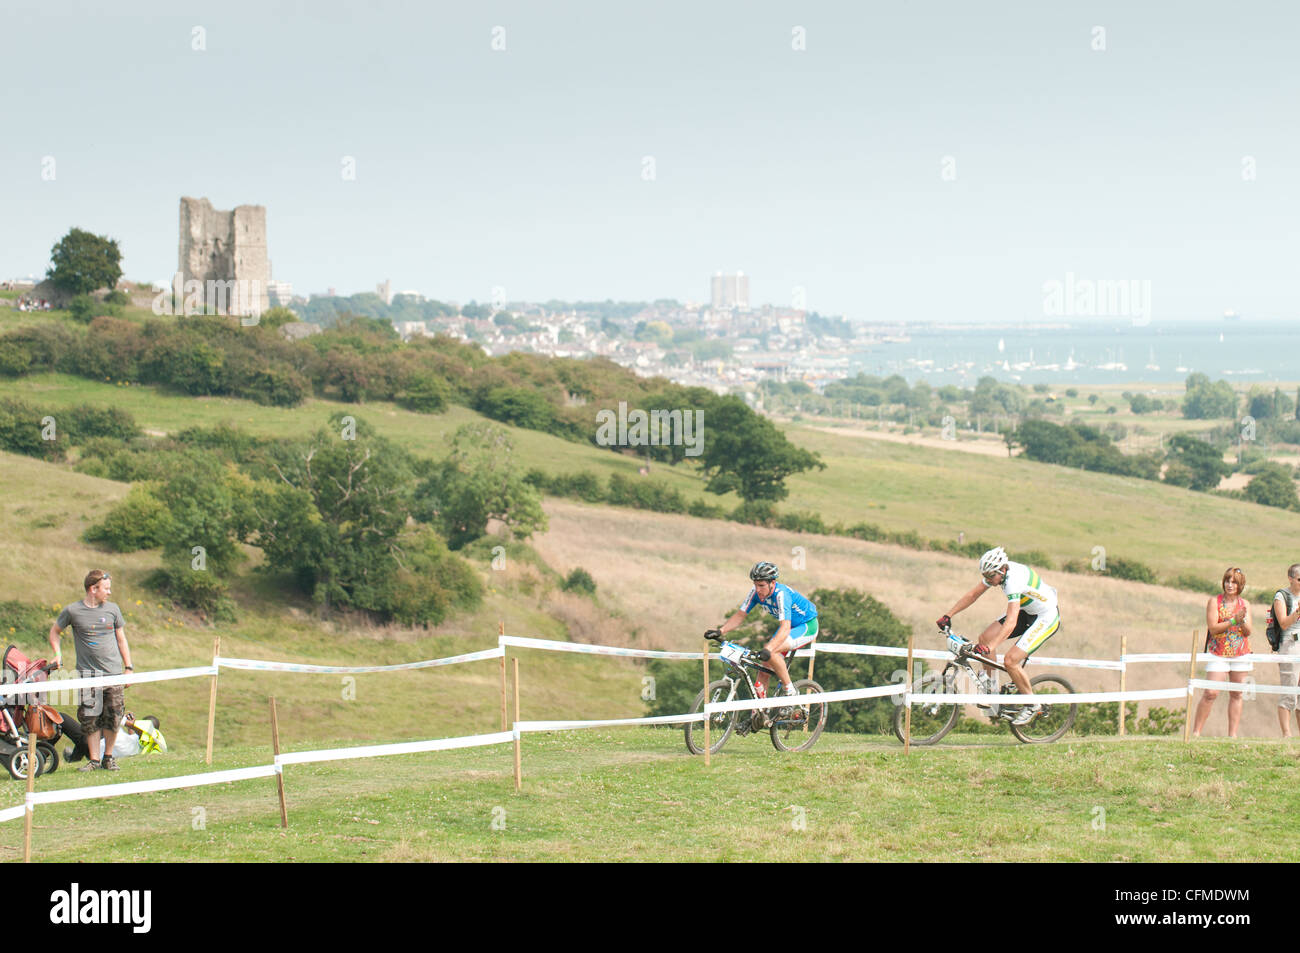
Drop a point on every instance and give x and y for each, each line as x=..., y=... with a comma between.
x=100, y=636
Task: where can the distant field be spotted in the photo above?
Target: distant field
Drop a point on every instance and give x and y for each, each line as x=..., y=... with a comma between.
x=635, y=795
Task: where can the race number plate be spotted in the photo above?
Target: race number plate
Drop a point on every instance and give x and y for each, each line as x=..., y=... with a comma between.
x=731, y=652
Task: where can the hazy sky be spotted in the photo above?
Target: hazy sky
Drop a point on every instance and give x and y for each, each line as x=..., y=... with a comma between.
x=822, y=168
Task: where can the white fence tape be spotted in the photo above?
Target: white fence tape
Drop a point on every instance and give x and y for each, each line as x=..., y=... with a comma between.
x=158, y=784
x=893, y=651
x=1204, y=657
x=1245, y=687
x=401, y=747
x=134, y=678
x=926, y=698
x=584, y=649
x=258, y=665
x=12, y=813
x=780, y=701
x=526, y=726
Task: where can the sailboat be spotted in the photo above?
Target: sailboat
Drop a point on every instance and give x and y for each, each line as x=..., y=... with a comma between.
x=1151, y=361
x=1180, y=369
x=1002, y=345
x=1070, y=362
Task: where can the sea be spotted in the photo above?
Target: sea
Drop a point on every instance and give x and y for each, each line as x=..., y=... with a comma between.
x=1087, y=354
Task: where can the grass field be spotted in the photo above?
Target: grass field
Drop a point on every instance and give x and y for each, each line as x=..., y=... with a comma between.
x=634, y=794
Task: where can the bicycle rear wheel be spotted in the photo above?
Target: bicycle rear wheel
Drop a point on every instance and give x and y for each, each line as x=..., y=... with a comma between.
x=802, y=725
x=1055, y=720
x=721, y=723
x=930, y=720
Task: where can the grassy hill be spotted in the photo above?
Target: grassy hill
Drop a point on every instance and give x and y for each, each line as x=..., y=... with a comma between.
x=1019, y=503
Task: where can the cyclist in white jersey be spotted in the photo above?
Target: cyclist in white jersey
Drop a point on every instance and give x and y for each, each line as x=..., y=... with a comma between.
x=1032, y=617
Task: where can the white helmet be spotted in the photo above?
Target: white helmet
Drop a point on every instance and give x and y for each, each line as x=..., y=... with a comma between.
x=995, y=560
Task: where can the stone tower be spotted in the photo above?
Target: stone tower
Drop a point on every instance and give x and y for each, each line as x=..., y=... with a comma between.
x=226, y=253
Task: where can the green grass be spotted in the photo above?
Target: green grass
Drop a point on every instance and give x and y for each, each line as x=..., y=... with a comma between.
x=635, y=795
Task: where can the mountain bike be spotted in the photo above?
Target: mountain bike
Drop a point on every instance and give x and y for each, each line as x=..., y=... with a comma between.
x=932, y=720
x=793, y=728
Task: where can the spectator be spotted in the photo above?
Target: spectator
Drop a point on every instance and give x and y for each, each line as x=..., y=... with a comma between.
x=100, y=637
x=1228, y=617
x=134, y=736
x=1289, y=624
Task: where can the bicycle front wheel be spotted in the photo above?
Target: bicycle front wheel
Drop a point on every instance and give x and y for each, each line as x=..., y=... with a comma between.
x=1055, y=720
x=720, y=723
x=930, y=720
x=801, y=725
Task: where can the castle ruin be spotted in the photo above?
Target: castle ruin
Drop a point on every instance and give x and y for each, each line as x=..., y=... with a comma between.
x=226, y=253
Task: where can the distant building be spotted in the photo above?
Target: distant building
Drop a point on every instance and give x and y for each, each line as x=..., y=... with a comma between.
x=280, y=292
x=226, y=253
x=730, y=291
x=385, y=290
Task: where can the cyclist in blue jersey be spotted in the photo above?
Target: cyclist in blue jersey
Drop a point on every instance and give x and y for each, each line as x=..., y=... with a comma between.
x=796, y=613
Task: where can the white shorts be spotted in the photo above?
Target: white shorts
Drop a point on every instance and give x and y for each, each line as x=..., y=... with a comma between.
x=1229, y=665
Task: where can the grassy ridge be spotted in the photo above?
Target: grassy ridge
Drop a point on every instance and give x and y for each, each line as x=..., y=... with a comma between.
x=1020, y=503
x=634, y=794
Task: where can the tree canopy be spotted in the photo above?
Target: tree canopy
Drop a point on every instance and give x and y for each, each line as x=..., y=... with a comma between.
x=82, y=262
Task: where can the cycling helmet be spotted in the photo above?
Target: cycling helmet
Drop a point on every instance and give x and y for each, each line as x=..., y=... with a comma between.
x=764, y=572
x=995, y=560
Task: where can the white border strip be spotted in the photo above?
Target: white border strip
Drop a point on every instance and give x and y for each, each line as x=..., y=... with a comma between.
x=584, y=649
x=526, y=726
x=782, y=701
x=159, y=784
x=12, y=813
x=925, y=698
x=401, y=747
x=135, y=678
x=1245, y=687
x=259, y=665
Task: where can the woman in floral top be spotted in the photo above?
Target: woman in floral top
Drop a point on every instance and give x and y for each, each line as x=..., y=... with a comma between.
x=1228, y=618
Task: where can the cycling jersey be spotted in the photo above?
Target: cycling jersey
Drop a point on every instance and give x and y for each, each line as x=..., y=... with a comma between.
x=1024, y=585
x=784, y=603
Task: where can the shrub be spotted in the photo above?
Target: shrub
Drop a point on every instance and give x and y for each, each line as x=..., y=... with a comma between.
x=140, y=521
x=21, y=431
x=584, y=486
x=87, y=421
x=804, y=521
x=644, y=494
x=707, y=511
x=754, y=513
x=194, y=589
x=15, y=358
x=1129, y=569
x=579, y=580
x=1193, y=583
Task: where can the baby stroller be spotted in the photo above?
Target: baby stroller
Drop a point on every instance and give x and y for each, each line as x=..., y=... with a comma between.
x=17, y=712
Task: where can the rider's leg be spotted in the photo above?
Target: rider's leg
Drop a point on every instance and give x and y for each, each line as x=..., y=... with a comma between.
x=777, y=645
x=989, y=637
x=1015, y=663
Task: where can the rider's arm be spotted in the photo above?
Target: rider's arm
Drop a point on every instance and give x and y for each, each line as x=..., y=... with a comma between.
x=781, y=632
x=1013, y=613
x=736, y=619
x=968, y=599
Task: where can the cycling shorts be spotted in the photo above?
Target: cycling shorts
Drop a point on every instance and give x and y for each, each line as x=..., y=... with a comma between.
x=1032, y=631
x=801, y=636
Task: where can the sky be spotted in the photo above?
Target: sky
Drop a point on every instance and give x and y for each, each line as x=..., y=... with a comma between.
x=921, y=161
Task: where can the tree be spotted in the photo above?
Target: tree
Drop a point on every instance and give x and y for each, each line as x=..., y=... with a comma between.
x=746, y=453
x=81, y=262
x=1193, y=463
x=1206, y=401
x=1273, y=485
x=479, y=482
